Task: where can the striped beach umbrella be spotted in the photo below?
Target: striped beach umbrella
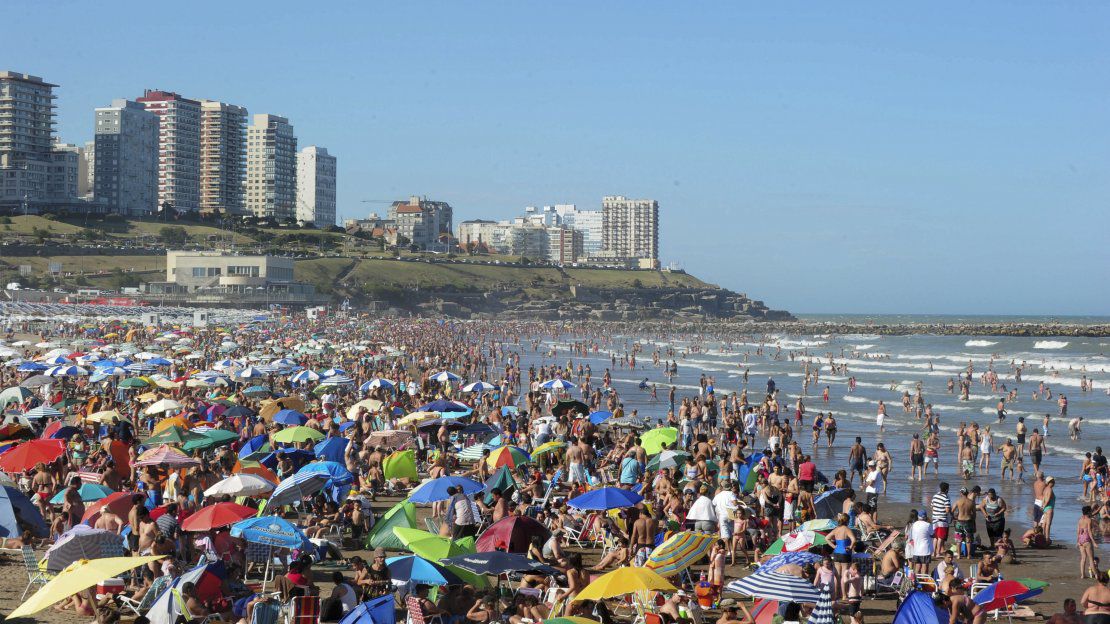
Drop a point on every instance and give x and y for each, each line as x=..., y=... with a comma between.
x=304, y=376
x=557, y=384
x=511, y=456
x=775, y=586
x=795, y=542
x=42, y=411
x=679, y=552
x=337, y=380
x=446, y=376
x=823, y=612
x=66, y=371
x=376, y=382
x=479, y=386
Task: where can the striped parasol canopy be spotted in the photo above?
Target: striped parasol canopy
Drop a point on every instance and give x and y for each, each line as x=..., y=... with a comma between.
x=511, y=456
x=775, y=586
x=796, y=541
x=166, y=456
x=679, y=552
x=823, y=612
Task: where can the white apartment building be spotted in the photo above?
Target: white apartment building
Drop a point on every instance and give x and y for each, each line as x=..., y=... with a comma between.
x=178, y=148
x=27, y=159
x=316, y=186
x=126, y=148
x=421, y=221
x=223, y=157
x=271, y=168
x=630, y=228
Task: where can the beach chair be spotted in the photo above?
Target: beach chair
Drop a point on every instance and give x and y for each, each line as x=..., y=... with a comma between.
x=35, y=575
x=266, y=612
x=416, y=614
x=140, y=607
x=884, y=545
x=304, y=610
x=926, y=584
x=432, y=525
x=581, y=536
x=183, y=609
x=555, y=478
x=893, y=586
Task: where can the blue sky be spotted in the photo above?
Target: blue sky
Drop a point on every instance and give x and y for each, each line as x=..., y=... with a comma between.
x=948, y=157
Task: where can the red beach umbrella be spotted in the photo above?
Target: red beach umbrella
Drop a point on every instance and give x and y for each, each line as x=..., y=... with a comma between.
x=118, y=502
x=216, y=516
x=26, y=455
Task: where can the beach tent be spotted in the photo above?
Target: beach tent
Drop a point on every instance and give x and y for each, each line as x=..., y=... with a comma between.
x=18, y=513
x=919, y=608
x=401, y=465
x=748, y=475
x=377, y=611
x=403, y=515
x=830, y=504
x=502, y=480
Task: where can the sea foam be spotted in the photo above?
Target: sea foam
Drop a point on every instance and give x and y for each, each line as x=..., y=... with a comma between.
x=979, y=343
x=1049, y=344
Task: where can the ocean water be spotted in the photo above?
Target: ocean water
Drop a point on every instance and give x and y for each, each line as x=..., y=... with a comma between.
x=878, y=362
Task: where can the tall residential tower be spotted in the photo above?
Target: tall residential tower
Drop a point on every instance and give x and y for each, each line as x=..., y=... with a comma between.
x=630, y=228
x=223, y=157
x=316, y=186
x=178, y=148
x=126, y=150
x=271, y=168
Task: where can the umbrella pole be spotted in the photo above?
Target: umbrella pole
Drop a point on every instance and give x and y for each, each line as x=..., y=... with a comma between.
x=266, y=571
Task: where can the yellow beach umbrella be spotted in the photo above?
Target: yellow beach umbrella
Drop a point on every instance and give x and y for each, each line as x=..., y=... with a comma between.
x=547, y=447
x=371, y=405
x=417, y=417
x=173, y=421
x=624, y=581
x=78, y=576
x=104, y=416
x=148, y=397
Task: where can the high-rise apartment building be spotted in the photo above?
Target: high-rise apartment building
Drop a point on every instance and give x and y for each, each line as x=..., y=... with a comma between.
x=126, y=157
x=589, y=222
x=27, y=159
x=271, y=168
x=316, y=186
x=630, y=228
x=223, y=157
x=421, y=221
x=64, y=174
x=178, y=148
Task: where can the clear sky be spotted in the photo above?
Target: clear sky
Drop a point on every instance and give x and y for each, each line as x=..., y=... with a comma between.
x=824, y=157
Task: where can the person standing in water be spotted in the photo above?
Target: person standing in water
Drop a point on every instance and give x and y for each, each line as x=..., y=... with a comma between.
x=880, y=418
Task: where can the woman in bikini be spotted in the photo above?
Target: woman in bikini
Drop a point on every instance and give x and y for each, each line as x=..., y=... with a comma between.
x=1085, y=544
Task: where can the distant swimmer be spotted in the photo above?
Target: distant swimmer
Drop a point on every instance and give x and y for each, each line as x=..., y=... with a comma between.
x=1001, y=410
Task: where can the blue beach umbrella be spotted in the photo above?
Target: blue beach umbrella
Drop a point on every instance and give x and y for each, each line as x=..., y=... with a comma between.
x=376, y=382
x=42, y=411
x=557, y=384
x=297, y=487
x=445, y=407
x=775, y=586
x=604, y=499
x=270, y=531
x=446, y=376
x=377, y=611
x=331, y=449
x=436, y=489
x=290, y=417
x=419, y=570
x=257, y=444
x=332, y=372
x=304, y=377
x=600, y=416
x=88, y=491
x=338, y=474
x=31, y=367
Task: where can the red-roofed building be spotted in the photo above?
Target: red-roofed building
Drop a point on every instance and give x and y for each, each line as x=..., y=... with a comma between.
x=421, y=221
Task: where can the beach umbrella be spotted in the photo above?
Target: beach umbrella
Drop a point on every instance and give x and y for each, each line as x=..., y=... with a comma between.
x=226, y=364
x=238, y=411
x=820, y=524
x=331, y=449
x=174, y=435
x=258, y=444
x=333, y=372
x=446, y=376
x=241, y=485
x=918, y=607
x=377, y=382
x=283, y=363
x=624, y=580
x=78, y=577
x=172, y=421
x=250, y=372
x=140, y=367
x=547, y=447
x=257, y=391
x=270, y=531
x=337, y=472
x=501, y=480
x=479, y=386
x=419, y=570
x=25, y=455
x=304, y=376
x=401, y=515
x=775, y=586
x=511, y=456
x=570, y=406
x=119, y=502
x=66, y=371
x=166, y=455
x=795, y=542
x=371, y=405
x=436, y=489
x=215, y=516
x=83, y=542
x=668, y=459
x=376, y=611
x=496, y=563
x=42, y=411
x=298, y=434
x=19, y=514
x=31, y=367
x=417, y=417
x=679, y=552
x=400, y=465
x=297, y=487
x=290, y=417
x=801, y=558
x=604, y=499
x=57, y=360
x=558, y=384
x=830, y=504
x=823, y=611
x=88, y=492
x=211, y=439
x=14, y=394
x=446, y=407
x=163, y=405
x=600, y=416
x=56, y=430
x=655, y=440
x=1006, y=593
x=334, y=380
x=511, y=534
x=36, y=381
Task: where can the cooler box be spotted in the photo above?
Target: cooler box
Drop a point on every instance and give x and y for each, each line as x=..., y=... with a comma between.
x=110, y=586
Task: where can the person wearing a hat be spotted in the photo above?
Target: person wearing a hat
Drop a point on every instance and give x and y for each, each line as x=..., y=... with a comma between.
x=874, y=484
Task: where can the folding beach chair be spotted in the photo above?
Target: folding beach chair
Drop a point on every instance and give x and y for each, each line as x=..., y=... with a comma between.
x=304, y=610
x=142, y=606
x=35, y=575
x=416, y=614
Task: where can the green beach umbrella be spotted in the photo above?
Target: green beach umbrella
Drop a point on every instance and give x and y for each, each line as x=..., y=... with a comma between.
x=133, y=383
x=656, y=440
x=298, y=434
x=668, y=459
x=15, y=394
x=400, y=465
x=174, y=435
x=212, y=439
x=402, y=515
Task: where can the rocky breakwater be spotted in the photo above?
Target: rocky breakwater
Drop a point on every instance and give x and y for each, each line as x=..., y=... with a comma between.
x=642, y=304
